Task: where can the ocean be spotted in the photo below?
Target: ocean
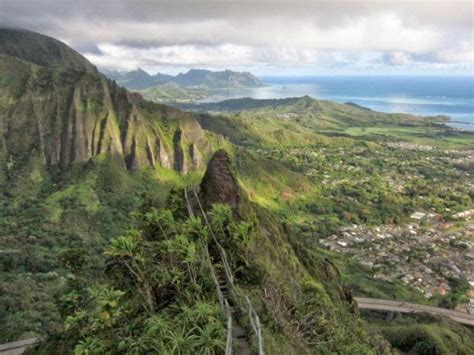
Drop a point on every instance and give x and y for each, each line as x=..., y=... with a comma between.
x=420, y=95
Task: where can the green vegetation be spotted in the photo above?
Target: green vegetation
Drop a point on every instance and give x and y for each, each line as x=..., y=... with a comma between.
x=45, y=216
x=157, y=294
x=352, y=172
x=172, y=93
x=98, y=254
x=158, y=297
x=422, y=135
x=424, y=334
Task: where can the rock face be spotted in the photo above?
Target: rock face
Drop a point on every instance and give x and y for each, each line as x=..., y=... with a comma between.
x=219, y=184
x=55, y=106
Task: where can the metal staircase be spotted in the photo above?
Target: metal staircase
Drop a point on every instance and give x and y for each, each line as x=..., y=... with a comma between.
x=224, y=281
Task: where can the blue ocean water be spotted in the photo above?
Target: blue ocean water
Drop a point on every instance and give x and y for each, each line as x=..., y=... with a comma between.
x=421, y=95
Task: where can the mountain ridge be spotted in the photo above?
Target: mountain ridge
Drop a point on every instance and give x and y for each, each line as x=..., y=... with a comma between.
x=56, y=106
x=140, y=79
x=41, y=49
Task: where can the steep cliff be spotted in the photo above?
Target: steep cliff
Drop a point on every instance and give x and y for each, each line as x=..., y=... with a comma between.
x=56, y=106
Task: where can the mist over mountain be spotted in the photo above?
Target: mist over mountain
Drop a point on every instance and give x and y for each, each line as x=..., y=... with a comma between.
x=140, y=79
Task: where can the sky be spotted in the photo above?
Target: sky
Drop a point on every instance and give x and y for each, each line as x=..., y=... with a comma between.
x=261, y=36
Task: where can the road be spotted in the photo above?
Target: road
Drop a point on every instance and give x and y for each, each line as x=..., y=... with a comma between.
x=405, y=307
x=17, y=347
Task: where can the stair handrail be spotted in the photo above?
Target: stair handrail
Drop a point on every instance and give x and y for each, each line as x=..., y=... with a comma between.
x=253, y=316
x=222, y=300
x=228, y=345
x=256, y=325
x=225, y=262
x=188, y=204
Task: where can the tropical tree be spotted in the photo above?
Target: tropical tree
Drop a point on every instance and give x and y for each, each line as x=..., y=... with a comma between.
x=159, y=299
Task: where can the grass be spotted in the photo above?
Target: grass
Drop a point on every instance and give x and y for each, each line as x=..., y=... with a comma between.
x=423, y=334
x=83, y=193
x=361, y=283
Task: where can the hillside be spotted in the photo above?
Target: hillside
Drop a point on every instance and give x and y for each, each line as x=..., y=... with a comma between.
x=292, y=289
x=104, y=247
x=316, y=114
x=194, y=78
x=301, y=121
x=84, y=162
x=55, y=107
x=172, y=93
x=41, y=50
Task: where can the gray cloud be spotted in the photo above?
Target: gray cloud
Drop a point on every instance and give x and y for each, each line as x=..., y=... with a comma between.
x=155, y=34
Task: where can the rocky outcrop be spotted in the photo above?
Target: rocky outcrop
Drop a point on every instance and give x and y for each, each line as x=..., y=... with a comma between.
x=55, y=105
x=219, y=184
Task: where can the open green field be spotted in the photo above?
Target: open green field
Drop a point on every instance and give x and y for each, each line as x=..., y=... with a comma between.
x=423, y=135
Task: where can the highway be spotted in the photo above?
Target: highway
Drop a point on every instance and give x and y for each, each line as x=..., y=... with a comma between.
x=17, y=347
x=405, y=307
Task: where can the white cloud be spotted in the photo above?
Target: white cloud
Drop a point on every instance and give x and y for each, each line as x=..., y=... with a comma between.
x=220, y=56
x=462, y=53
x=258, y=34
x=381, y=31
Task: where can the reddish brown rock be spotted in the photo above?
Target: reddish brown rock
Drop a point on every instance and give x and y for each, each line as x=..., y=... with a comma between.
x=219, y=184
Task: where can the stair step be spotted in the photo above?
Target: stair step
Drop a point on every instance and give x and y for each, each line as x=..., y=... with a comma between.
x=238, y=332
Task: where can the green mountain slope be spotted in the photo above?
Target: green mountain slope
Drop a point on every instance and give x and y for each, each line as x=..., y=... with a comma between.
x=98, y=253
x=57, y=108
x=41, y=50
x=158, y=285
x=78, y=155
x=311, y=113
x=174, y=93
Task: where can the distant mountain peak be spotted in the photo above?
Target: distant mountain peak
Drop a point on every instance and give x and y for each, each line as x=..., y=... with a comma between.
x=139, y=79
x=197, y=71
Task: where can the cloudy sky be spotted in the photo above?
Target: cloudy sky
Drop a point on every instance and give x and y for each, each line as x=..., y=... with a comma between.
x=265, y=37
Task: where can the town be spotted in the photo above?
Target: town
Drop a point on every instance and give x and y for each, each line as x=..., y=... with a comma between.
x=425, y=254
